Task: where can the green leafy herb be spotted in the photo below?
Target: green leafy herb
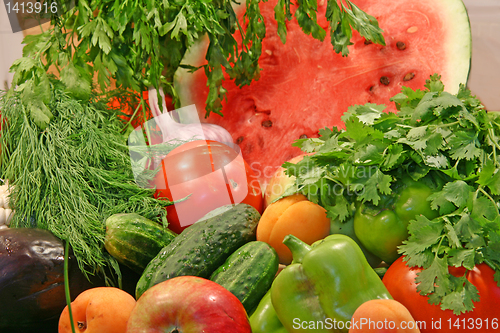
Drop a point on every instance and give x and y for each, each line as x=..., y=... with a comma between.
x=435, y=136
x=71, y=175
x=137, y=44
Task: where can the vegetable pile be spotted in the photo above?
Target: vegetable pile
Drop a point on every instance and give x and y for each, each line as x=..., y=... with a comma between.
x=399, y=207
x=437, y=138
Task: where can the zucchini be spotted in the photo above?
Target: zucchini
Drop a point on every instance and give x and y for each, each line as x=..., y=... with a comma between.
x=134, y=240
x=200, y=249
x=248, y=273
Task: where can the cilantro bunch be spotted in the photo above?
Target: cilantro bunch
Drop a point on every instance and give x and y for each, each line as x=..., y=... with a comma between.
x=434, y=134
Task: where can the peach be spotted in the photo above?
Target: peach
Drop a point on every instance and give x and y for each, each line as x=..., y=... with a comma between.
x=292, y=215
x=99, y=310
x=383, y=316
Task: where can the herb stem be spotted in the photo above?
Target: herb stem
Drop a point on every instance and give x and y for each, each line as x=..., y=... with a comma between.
x=66, y=285
x=487, y=195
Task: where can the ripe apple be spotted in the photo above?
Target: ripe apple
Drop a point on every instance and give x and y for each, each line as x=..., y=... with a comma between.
x=280, y=182
x=188, y=304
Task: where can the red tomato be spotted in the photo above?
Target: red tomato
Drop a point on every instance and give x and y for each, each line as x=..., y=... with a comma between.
x=212, y=174
x=400, y=281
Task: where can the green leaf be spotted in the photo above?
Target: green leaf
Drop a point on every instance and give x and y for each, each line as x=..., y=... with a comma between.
x=462, y=257
x=367, y=113
x=452, y=236
x=462, y=299
x=76, y=81
x=434, y=279
x=423, y=234
x=341, y=210
x=456, y=192
x=464, y=145
x=393, y=157
x=375, y=184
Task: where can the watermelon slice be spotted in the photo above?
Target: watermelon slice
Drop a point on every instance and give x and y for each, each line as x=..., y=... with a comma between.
x=305, y=86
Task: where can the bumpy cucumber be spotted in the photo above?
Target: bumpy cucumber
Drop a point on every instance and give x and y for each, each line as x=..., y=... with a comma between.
x=134, y=240
x=248, y=273
x=200, y=249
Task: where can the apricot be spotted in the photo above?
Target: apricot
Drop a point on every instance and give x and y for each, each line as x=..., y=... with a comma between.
x=383, y=316
x=99, y=310
x=292, y=215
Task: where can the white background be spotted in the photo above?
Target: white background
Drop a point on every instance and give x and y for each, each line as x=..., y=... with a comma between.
x=484, y=79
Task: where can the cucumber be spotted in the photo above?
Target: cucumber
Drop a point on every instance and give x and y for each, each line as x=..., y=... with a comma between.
x=134, y=240
x=204, y=246
x=248, y=273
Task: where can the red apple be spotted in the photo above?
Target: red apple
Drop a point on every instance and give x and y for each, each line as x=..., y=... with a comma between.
x=188, y=304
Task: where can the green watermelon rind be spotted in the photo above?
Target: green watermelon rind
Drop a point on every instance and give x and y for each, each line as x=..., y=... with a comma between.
x=459, y=46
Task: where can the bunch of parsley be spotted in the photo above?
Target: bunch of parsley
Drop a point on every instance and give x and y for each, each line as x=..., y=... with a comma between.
x=434, y=133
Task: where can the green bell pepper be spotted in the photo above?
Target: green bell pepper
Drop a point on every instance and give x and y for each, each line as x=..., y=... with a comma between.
x=347, y=228
x=382, y=228
x=324, y=285
x=264, y=318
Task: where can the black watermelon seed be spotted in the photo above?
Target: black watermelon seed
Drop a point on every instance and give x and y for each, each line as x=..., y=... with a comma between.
x=400, y=45
x=303, y=136
x=267, y=123
x=385, y=80
x=368, y=42
x=240, y=140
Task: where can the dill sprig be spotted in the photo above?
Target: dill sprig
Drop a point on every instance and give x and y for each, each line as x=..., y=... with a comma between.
x=69, y=177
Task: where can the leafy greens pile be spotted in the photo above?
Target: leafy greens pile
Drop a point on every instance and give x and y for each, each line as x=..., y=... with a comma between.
x=434, y=133
x=71, y=176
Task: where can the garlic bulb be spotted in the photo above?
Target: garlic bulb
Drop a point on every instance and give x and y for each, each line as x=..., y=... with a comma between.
x=5, y=211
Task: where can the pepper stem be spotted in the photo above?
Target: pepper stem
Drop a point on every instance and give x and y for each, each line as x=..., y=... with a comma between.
x=299, y=248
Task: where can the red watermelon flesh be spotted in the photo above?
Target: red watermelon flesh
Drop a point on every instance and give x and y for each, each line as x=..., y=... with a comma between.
x=305, y=86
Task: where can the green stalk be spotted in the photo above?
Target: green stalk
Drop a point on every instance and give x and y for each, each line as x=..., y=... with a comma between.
x=66, y=285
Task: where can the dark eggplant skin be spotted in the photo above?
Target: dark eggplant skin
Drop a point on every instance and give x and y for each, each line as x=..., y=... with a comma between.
x=32, y=280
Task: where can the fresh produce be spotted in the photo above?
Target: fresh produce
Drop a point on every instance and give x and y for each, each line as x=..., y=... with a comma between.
x=69, y=176
x=347, y=228
x=326, y=282
x=293, y=215
x=188, y=304
x=207, y=175
x=264, y=319
x=134, y=240
x=382, y=228
x=248, y=273
x=146, y=45
x=280, y=183
x=98, y=310
x=173, y=130
x=400, y=281
x=203, y=247
x=383, y=316
x=5, y=210
x=63, y=144
x=436, y=135
x=32, y=280
x=304, y=85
